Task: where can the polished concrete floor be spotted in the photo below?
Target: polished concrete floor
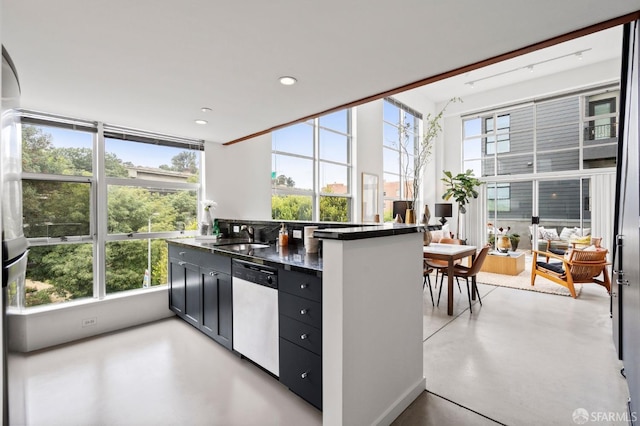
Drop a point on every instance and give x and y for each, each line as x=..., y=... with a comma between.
x=523, y=358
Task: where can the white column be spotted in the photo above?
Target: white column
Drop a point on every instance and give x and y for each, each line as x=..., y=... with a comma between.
x=372, y=328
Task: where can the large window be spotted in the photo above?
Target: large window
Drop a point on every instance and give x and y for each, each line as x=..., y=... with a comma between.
x=148, y=192
x=311, y=170
x=544, y=136
x=401, y=133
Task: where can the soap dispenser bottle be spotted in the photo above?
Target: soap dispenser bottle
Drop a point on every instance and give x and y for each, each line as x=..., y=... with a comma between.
x=283, y=236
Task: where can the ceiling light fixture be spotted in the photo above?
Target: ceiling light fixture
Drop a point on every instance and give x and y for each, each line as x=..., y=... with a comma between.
x=205, y=109
x=288, y=80
x=529, y=67
x=201, y=121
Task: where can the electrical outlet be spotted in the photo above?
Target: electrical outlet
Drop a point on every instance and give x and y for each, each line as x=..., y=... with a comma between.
x=89, y=322
x=297, y=233
x=236, y=229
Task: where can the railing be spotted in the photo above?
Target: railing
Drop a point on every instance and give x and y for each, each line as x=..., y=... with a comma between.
x=601, y=131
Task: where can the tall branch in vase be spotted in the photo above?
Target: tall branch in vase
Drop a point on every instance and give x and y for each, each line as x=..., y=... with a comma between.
x=413, y=171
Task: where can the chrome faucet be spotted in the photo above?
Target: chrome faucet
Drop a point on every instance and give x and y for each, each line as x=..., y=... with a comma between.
x=250, y=232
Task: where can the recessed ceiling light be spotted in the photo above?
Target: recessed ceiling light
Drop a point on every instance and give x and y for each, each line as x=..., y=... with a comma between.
x=205, y=109
x=288, y=81
x=201, y=121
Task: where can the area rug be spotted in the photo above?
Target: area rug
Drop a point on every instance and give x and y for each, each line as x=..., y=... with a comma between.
x=522, y=281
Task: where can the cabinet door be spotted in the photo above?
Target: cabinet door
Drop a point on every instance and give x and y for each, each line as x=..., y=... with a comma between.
x=177, y=286
x=217, y=306
x=193, y=308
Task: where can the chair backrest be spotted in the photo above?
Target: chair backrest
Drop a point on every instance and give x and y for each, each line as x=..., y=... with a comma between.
x=586, y=264
x=479, y=260
x=450, y=241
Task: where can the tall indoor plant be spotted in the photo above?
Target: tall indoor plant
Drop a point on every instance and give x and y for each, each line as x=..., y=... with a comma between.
x=414, y=170
x=461, y=187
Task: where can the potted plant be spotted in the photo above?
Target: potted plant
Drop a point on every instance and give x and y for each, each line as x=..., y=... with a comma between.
x=414, y=170
x=515, y=239
x=461, y=187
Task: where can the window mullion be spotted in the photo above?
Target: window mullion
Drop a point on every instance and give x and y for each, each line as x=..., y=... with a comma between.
x=101, y=217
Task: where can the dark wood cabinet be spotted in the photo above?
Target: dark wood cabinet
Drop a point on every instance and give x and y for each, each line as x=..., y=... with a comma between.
x=184, y=293
x=300, y=307
x=192, y=307
x=177, y=281
x=200, y=291
x=217, y=313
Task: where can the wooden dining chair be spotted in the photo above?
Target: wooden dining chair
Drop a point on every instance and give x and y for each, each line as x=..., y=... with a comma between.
x=426, y=270
x=467, y=272
x=438, y=264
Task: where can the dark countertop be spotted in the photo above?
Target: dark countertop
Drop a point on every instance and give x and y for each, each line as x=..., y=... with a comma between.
x=291, y=257
x=369, y=231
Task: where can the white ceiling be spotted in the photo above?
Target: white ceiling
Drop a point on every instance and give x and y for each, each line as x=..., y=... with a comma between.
x=152, y=64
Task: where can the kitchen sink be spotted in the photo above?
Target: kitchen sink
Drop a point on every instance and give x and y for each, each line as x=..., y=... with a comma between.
x=243, y=246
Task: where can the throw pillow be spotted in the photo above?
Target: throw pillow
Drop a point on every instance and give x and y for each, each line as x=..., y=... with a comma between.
x=436, y=236
x=567, y=233
x=550, y=234
x=445, y=231
x=582, y=240
x=540, y=231
x=583, y=231
x=591, y=248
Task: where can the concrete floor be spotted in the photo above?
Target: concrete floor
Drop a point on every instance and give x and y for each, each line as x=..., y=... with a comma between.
x=523, y=358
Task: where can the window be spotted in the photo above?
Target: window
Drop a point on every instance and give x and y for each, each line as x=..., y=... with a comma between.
x=543, y=136
x=311, y=170
x=150, y=193
x=401, y=133
x=499, y=197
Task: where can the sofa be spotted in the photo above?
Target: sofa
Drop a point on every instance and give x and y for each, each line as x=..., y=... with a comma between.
x=549, y=238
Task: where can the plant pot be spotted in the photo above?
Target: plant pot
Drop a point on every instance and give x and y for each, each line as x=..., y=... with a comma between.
x=503, y=244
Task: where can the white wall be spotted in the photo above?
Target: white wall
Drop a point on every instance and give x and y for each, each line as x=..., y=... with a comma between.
x=55, y=325
x=368, y=151
x=238, y=178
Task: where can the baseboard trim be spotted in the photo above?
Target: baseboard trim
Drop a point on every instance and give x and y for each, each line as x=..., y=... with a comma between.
x=401, y=404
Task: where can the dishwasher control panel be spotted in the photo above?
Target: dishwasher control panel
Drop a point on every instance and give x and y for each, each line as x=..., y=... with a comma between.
x=255, y=273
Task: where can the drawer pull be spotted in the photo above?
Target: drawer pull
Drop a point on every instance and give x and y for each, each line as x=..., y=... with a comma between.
x=304, y=285
x=303, y=311
x=213, y=274
x=182, y=253
x=304, y=375
x=303, y=336
x=181, y=263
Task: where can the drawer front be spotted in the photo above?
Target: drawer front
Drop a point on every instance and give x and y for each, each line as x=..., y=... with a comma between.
x=304, y=310
x=300, y=284
x=184, y=254
x=301, y=334
x=215, y=261
x=202, y=258
x=301, y=372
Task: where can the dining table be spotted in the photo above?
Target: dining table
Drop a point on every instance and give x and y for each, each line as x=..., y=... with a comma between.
x=450, y=253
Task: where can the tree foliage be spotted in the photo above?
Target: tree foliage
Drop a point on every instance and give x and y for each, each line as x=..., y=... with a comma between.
x=291, y=207
x=284, y=181
x=62, y=209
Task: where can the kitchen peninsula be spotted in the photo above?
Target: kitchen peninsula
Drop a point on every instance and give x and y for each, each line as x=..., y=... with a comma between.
x=371, y=324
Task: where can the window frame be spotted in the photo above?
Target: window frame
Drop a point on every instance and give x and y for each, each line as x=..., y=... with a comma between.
x=98, y=209
x=404, y=170
x=316, y=193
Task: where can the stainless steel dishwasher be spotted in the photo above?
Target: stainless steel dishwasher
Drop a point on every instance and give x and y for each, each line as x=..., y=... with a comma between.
x=255, y=314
